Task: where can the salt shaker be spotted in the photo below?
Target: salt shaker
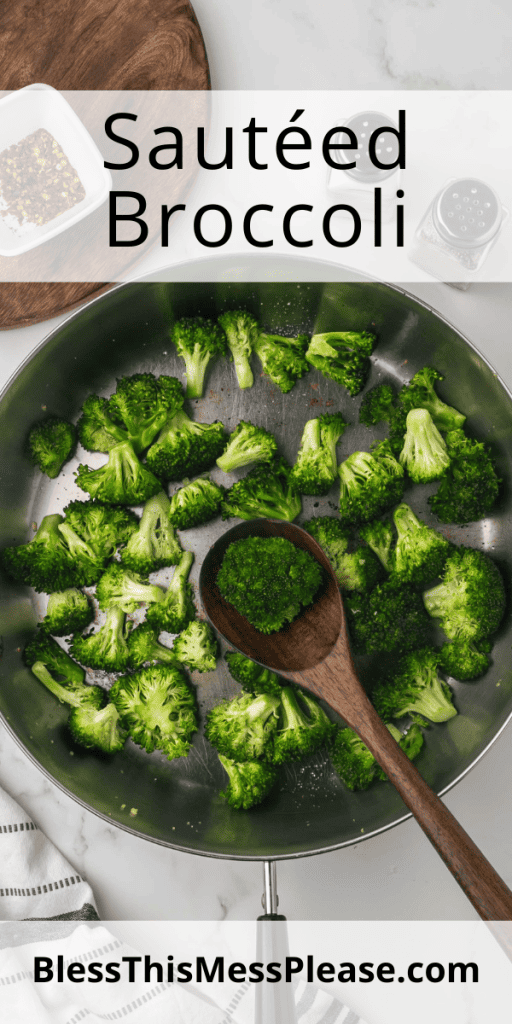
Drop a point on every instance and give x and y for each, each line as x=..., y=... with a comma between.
x=356, y=185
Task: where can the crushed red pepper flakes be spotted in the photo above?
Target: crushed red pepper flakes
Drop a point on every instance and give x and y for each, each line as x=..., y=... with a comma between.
x=37, y=181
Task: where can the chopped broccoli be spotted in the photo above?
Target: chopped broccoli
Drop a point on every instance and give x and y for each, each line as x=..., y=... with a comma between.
x=102, y=527
x=196, y=503
x=463, y=659
x=98, y=728
x=253, y=678
x=420, y=552
x=354, y=763
x=371, y=482
x=158, y=708
x=283, y=359
x=244, y=727
x=265, y=493
x=419, y=393
x=303, y=726
x=197, y=647
x=268, y=580
x=247, y=444
x=48, y=660
x=96, y=429
x=415, y=689
x=143, y=645
x=316, y=464
x=380, y=537
x=344, y=356
x=470, y=600
x=108, y=648
x=122, y=481
x=410, y=742
x=141, y=404
x=177, y=608
x=197, y=341
x=51, y=442
x=125, y=589
x=68, y=611
x=390, y=618
x=330, y=533
x=424, y=454
x=359, y=570
x=471, y=485
x=378, y=404
x=248, y=783
x=55, y=559
x=241, y=329
x=154, y=545
x=185, y=448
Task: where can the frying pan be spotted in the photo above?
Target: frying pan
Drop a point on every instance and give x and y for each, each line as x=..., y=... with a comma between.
x=177, y=803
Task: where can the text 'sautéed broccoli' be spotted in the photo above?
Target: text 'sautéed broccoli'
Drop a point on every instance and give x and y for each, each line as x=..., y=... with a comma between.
x=344, y=356
x=316, y=465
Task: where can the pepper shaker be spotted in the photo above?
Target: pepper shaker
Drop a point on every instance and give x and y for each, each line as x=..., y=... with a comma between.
x=356, y=185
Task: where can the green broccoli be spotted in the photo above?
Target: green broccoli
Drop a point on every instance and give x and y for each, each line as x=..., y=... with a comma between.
x=419, y=393
x=197, y=647
x=144, y=646
x=410, y=742
x=380, y=537
x=359, y=570
x=253, y=678
x=51, y=442
x=185, y=448
x=108, y=648
x=98, y=728
x=354, y=763
x=68, y=611
x=316, y=464
x=283, y=359
x=469, y=489
x=371, y=482
x=303, y=726
x=268, y=580
x=244, y=727
x=196, y=503
x=470, y=600
x=154, y=545
x=142, y=403
x=415, y=689
x=390, y=618
x=197, y=341
x=48, y=659
x=102, y=527
x=343, y=356
x=247, y=444
x=463, y=659
x=55, y=559
x=96, y=429
x=420, y=552
x=177, y=608
x=125, y=589
x=249, y=783
x=424, y=454
x=265, y=493
x=378, y=404
x=241, y=330
x=158, y=708
x=122, y=481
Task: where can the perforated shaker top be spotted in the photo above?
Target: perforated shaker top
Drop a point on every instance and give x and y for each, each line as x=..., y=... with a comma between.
x=467, y=213
x=363, y=125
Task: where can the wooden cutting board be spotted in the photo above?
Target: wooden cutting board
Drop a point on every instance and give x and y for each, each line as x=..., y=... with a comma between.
x=92, y=44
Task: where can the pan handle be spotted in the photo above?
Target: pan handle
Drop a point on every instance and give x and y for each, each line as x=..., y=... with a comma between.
x=275, y=1003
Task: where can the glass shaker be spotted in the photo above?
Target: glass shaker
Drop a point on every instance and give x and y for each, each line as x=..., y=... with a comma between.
x=356, y=186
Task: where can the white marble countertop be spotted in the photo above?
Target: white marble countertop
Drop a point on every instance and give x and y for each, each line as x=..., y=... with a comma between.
x=397, y=875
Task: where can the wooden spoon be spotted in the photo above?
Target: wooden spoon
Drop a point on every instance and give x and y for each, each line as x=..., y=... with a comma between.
x=314, y=652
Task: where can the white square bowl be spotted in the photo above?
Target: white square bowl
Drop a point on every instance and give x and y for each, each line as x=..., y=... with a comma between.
x=41, y=106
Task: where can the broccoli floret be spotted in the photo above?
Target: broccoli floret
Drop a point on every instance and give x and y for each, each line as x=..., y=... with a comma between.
x=380, y=537
x=108, y=648
x=415, y=689
x=102, y=527
x=303, y=726
x=158, y=708
x=471, y=485
x=143, y=645
x=196, y=503
x=122, y=481
x=142, y=403
x=424, y=454
x=248, y=783
x=96, y=429
x=359, y=570
x=316, y=464
x=241, y=329
x=98, y=728
x=125, y=589
x=330, y=533
x=343, y=356
x=51, y=443
x=470, y=600
x=265, y=493
x=48, y=660
x=247, y=444
x=244, y=728
x=352, y=760
x=371, y=482
x=197, y=647
x=390, y=618
x=283, y=359
x=268, y=580
x=154, y=545
x=55, y=559
x=69, y=611
x=197, y=341
x=378, y=404
x=420, y=552
x=185, y=448
x=410, y=742
x=420, y=394
x=177, y=608
x=253, y=678
x=465, y=660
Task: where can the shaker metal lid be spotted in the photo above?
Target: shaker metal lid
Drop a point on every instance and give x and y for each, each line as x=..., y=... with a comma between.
x=363, y=125
x=467, y=213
